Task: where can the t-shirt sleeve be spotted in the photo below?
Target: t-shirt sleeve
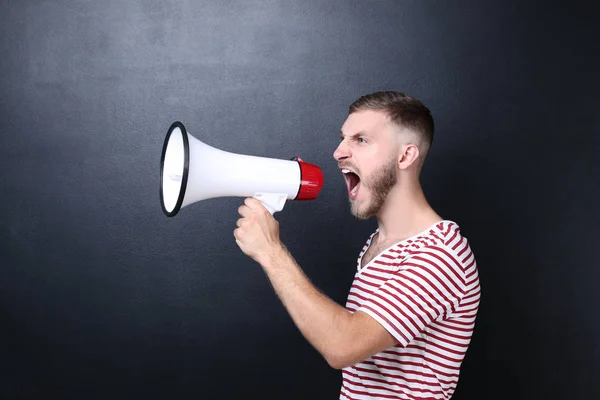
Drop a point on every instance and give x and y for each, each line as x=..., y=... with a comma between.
x=428, y=285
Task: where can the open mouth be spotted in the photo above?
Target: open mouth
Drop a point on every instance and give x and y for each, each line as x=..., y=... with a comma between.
x=352, y=181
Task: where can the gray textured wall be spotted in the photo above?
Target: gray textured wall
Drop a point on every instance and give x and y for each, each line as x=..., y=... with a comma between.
x=102, y=296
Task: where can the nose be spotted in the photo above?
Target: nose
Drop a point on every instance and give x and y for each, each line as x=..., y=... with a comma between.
x=342, y=152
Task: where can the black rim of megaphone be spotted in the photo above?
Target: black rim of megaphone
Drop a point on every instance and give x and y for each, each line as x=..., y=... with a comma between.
x=186, y=164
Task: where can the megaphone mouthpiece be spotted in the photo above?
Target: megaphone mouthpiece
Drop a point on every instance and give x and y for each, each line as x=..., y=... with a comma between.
x=311, y=181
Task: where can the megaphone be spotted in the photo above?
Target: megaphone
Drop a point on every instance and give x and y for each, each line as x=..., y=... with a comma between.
x=191, y=170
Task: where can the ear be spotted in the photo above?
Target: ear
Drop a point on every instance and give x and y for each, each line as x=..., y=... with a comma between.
x=408, y=155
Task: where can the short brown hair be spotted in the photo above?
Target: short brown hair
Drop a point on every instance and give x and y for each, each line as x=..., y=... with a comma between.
x=404, y=111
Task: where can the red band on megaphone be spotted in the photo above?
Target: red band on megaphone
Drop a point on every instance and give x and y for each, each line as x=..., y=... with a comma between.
x=311, y=181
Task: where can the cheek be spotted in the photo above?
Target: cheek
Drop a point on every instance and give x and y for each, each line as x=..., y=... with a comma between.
x=366, y=170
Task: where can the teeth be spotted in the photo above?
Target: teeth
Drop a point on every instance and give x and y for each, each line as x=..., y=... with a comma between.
x=354, y=190
x=345, y=171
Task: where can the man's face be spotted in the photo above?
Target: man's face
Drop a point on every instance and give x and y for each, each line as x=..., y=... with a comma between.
x=367, y=157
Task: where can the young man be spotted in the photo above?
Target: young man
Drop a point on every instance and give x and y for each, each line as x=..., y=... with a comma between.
x=412, y=306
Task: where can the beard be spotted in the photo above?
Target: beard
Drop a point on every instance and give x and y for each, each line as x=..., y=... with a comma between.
x=379, y=184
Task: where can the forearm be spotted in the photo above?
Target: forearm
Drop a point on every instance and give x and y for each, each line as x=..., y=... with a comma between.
x=324, y=323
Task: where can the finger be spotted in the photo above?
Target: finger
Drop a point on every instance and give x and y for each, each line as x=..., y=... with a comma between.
x=244, y=210
x=236, y=234
x=238, y=223
x=257, y=207
x=252, y=203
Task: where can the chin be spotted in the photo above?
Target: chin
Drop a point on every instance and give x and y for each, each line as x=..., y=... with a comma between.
x=364, y=212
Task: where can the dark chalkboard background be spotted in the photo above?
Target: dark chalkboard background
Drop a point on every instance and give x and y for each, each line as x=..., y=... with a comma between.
x=104, y=297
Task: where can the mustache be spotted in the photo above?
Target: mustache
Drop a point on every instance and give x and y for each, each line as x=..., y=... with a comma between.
x=349, y=166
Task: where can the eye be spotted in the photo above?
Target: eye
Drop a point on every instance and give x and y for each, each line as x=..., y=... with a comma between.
x=362, y=140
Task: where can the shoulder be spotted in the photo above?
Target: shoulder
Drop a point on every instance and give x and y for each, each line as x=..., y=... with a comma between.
x=447, y=237
x=444, y=248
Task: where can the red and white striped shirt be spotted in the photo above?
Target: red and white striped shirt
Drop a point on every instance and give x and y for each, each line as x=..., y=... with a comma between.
x=425, y=291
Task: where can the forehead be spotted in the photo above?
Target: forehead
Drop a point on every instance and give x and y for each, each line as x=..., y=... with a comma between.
x=368, y=121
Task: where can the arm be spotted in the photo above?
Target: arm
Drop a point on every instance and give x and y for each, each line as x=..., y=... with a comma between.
x=342, y=338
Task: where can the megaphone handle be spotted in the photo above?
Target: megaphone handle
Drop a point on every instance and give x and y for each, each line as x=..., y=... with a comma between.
x=272, y=201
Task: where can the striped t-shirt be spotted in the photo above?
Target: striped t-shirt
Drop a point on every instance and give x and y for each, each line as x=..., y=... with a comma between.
x=425, y=291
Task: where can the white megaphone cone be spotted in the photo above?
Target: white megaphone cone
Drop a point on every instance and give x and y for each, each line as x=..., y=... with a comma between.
x=191, y=170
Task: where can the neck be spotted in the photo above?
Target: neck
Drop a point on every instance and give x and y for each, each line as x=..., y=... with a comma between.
x=405, y=213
